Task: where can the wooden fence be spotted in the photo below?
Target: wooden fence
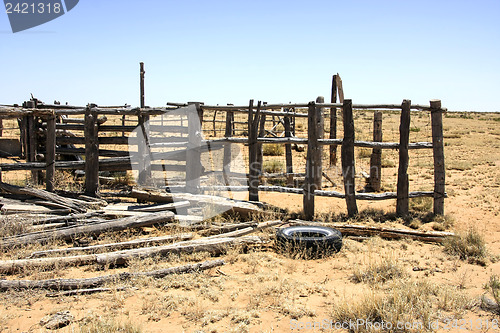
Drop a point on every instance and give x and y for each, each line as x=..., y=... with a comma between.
x=46, y=132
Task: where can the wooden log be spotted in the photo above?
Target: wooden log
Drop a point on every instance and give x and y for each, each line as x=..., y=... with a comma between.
x=149, y=208
x=72, y=204
x=438, y=154
x=193, y=155
x=311, y=162
x=67, y=218
x=214, y=246
x=347, y=155
x=140, y=242
x=216, y=230
x=91, y=152
x=376, y=157
x=248, y=230
x=340, y=88
x=388, y=233
x=87, y=291
x=402, y=204
x=333, y=122
x=50, y=153
x=75, y=284
x=71, y=232
x=253, y=164
x=288, y=152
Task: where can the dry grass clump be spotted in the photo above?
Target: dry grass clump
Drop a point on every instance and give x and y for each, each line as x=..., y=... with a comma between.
x=459, y=165
x=385, y=269
x=273, y=166
x=273, y=149
x=96, y=324
x=421, y=204
x=11, y=225
x=494, y=287
x=415, y=304
x=468, y=246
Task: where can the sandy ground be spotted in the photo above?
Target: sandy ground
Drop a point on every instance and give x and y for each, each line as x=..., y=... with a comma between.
x=264, y=291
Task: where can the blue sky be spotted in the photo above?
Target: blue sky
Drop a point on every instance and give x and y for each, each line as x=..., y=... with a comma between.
x=276, y=51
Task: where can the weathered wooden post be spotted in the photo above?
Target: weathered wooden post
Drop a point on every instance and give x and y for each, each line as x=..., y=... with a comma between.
x=288, y=151
x=142, y=73
x=333, y=122
x=402, y=203
x=262, y=133
x=313, y=160
x=320, y=134
x=91, y=151
x=226, y=164
x=438, y=153
x=50, y=152
x=193, y=155
x=376, y=157
x=254, y=167
x=143, y=149
x=347, y=156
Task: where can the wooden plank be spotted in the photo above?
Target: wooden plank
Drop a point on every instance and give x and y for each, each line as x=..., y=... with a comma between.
x=262, y=133
x=438, y=154
x=347, y=155
x=318, y=151
x=333, y=122
x=148, y=208
x=91, y=153
x=50, y=153
x=376, y=157
x=226, y=164
x=402, y=204
x=144, y=151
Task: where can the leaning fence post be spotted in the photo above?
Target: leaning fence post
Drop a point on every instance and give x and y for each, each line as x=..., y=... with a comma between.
x=320, y=133
x=438, y=153
x=91, y=151
x=347, y=156
x=144, y=150
x=333, y=122
x=50, y=152
x=254, y=168
x=312, y=166
x=402, y=204
x=376, y=157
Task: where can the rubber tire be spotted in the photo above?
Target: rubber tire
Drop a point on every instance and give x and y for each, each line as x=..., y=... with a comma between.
x=317, y=240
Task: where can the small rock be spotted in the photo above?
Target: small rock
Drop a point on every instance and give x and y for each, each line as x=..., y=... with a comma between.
x=57, y=320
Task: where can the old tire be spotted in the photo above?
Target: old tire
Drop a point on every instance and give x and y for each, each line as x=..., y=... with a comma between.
x=313, y=241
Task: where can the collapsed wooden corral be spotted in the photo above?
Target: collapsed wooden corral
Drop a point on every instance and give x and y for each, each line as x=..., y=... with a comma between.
x=53, y=127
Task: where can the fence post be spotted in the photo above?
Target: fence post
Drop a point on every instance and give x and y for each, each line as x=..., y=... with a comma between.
x=320, y=134
x=226, y=164
x=438, y=153
x=402, y=204
x=347, y=156
x=142, y=72
x=254, y=168
x=144, y=151
x=91, y=151
x=262, y=132
x=50, y=153
x=288, y=152
x=193, y=155
x=312, y=166
x=376, y=157
x=333, y=122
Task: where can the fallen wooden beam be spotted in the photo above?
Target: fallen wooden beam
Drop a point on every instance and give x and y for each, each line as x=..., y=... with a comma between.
x=84, y=291
x=73, y=204
x=223, y=204
x=71, y=232
x=74, y=284
x=68, y=218
x=113, y=246
x=148, y=208
x=213, y=246
x=388, y=233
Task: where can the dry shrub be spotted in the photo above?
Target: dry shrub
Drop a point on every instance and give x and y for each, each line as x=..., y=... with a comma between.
x=421, y=204
x=273, y=166
x=272, y=149
x=468, y=246
x=96, y=324
x=387, y=268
